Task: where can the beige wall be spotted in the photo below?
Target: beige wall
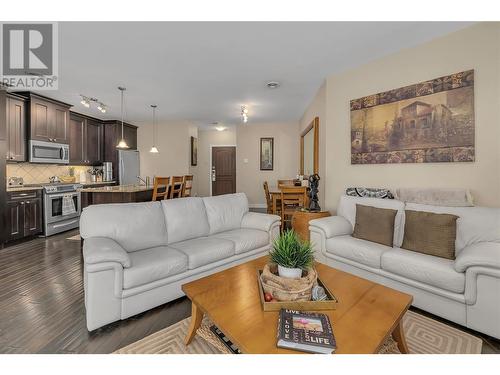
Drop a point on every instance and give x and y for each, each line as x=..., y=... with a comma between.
x=317, y=108
x=207, y=138
x=249, y=177
x=478, y=48
x=172, y=141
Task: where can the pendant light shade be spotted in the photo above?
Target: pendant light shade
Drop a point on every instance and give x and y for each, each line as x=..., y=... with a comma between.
x=154, y=149
x=122, y=144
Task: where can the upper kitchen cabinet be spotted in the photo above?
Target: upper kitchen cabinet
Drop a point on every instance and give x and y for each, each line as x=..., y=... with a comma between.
x=16, y=128
x=112, y=135
x=48, y=119
x=85, y=140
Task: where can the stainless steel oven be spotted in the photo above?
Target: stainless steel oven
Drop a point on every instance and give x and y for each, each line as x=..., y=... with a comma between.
x=62, y=208
x=48, y=152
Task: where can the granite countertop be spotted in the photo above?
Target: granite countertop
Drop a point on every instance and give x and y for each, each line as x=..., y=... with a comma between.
x=117, y=189
x=31, y=187
x=95, y=183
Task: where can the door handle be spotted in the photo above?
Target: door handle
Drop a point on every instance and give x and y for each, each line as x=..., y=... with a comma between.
x=213, y=174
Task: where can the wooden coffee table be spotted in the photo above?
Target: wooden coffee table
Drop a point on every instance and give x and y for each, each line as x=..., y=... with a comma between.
x=367, y=313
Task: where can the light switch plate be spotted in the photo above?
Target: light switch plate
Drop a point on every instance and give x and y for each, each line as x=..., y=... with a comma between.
x=245, y=161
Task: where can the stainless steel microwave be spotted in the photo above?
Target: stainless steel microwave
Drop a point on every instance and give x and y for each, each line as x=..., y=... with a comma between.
x=48, y=152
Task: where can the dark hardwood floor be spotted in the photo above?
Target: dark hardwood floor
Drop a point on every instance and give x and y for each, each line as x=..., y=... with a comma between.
x=42, y=308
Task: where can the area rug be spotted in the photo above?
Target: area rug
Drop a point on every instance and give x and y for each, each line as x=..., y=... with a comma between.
x=423, y=335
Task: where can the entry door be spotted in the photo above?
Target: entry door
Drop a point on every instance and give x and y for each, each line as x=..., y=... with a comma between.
x=223, y=170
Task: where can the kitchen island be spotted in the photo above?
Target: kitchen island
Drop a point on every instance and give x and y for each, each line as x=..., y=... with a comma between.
x=116, y=194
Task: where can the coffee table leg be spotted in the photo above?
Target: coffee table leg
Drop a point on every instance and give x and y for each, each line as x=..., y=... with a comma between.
x=196, y=318
x=399, y=336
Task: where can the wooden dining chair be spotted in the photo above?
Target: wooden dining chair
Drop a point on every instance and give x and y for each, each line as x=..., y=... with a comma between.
x=160, y=183
x=285, y=183
x=269, y=201
x=292, y=198
x=187, y=185
x=176, y=187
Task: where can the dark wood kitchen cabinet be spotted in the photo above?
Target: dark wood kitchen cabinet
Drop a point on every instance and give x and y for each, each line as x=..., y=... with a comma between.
x=16, y=128
x=85, y=140
x=48, y=119
x=24, y=214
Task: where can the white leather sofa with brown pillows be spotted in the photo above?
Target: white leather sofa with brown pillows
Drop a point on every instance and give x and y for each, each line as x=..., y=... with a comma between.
x=138, y=255
x=461, y=283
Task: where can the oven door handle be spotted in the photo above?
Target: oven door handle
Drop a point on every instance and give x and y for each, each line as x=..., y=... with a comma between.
x=74, y=194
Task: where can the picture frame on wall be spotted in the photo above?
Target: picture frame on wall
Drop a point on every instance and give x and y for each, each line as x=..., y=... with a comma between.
x=194, y=151
x=266, y=154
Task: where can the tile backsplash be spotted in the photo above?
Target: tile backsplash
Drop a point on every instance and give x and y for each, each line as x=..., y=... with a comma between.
x=40, y=173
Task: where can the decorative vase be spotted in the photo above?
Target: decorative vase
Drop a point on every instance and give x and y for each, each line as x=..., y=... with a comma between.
x=289, y=273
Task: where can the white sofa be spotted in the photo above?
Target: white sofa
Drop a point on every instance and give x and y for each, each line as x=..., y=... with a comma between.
x=465, y=291
x=137, y=255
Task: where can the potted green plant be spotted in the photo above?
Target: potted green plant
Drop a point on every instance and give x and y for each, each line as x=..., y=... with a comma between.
x=292, y=255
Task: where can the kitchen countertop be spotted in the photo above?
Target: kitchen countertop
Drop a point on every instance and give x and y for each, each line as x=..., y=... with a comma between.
x=31, y=187
x=23, y=188
x=117, y=189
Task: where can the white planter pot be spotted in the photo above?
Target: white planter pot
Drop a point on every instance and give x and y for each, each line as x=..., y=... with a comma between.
x=289, y=273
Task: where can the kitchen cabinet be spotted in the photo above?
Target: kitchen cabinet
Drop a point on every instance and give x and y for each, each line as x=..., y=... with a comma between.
x=48, y=119
x=85, y=140
x=16, y=128
x=112, y=135
x=24, y=214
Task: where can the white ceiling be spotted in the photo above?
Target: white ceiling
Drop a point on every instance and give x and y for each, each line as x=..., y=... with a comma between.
x=204, y=71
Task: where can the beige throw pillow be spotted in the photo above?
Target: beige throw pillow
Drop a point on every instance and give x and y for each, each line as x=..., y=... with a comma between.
x=430, y=233
x=374, y=224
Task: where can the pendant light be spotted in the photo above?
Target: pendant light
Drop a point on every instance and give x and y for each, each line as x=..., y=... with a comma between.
x=154, y=150
x=122, y=144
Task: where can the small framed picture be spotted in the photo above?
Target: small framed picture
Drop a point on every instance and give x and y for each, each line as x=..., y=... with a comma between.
x=194, y=151
x=266, y=154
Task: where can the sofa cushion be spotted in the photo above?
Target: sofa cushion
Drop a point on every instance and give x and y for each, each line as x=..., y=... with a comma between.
x=153, y=264
x=428, y=269
x=347, y=209
x=374, y=224
x=430, y=233
x=205, y=250
x=186, y=218
x=225, y=212
x=475, y=224
x=135, y=226
x=245, y=239
x=361, y=251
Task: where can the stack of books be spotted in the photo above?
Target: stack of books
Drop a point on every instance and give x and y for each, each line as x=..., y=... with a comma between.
x=307, y=332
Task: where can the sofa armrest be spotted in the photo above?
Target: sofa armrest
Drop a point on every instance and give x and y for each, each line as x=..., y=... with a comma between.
x=486, y=254
x=254, y=220
x=102, y=249
x=332, y=226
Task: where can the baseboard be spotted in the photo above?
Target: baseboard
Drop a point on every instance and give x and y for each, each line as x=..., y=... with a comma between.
x=257, y=205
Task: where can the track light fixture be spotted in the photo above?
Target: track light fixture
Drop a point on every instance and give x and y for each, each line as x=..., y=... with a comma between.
x=244, y=113
x=86, y=101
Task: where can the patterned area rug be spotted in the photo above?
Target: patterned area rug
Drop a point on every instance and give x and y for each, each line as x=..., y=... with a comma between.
x=423, y=335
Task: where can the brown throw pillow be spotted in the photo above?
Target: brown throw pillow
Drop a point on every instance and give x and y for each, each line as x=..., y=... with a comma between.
x=430, y=233
x=374, y=224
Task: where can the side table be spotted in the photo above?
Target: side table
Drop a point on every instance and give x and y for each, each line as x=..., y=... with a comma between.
x=300, y=221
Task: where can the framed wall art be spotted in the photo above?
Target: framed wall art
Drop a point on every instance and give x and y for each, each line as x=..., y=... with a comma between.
x=266, y=154
x=428, y=122
x=194, y=151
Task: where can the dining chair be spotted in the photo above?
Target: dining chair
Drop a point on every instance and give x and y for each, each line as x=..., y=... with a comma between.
x=187, y=185
x=269, y=200
x=285, y=183
x=160, y=183
x=292, y=198
x=176, y=187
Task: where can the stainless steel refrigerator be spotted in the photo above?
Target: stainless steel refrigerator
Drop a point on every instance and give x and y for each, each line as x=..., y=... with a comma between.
x=128, y=167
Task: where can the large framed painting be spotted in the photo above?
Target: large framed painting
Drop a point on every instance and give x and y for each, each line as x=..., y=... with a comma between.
x=266, y=154
x=428, y=122
x=194, y=151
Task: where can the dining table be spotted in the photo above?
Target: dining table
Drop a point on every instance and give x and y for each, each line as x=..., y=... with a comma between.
x=275, y=192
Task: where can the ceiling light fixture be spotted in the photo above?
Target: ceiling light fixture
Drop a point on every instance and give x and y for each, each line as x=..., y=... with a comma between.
x=273, y=84
x=154, y=149
x=101, y=107
x=220, y=128
x=85, y=101
x=122, y=144
x=244, y=113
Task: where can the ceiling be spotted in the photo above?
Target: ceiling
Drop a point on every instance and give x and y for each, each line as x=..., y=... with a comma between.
x=204, y=71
